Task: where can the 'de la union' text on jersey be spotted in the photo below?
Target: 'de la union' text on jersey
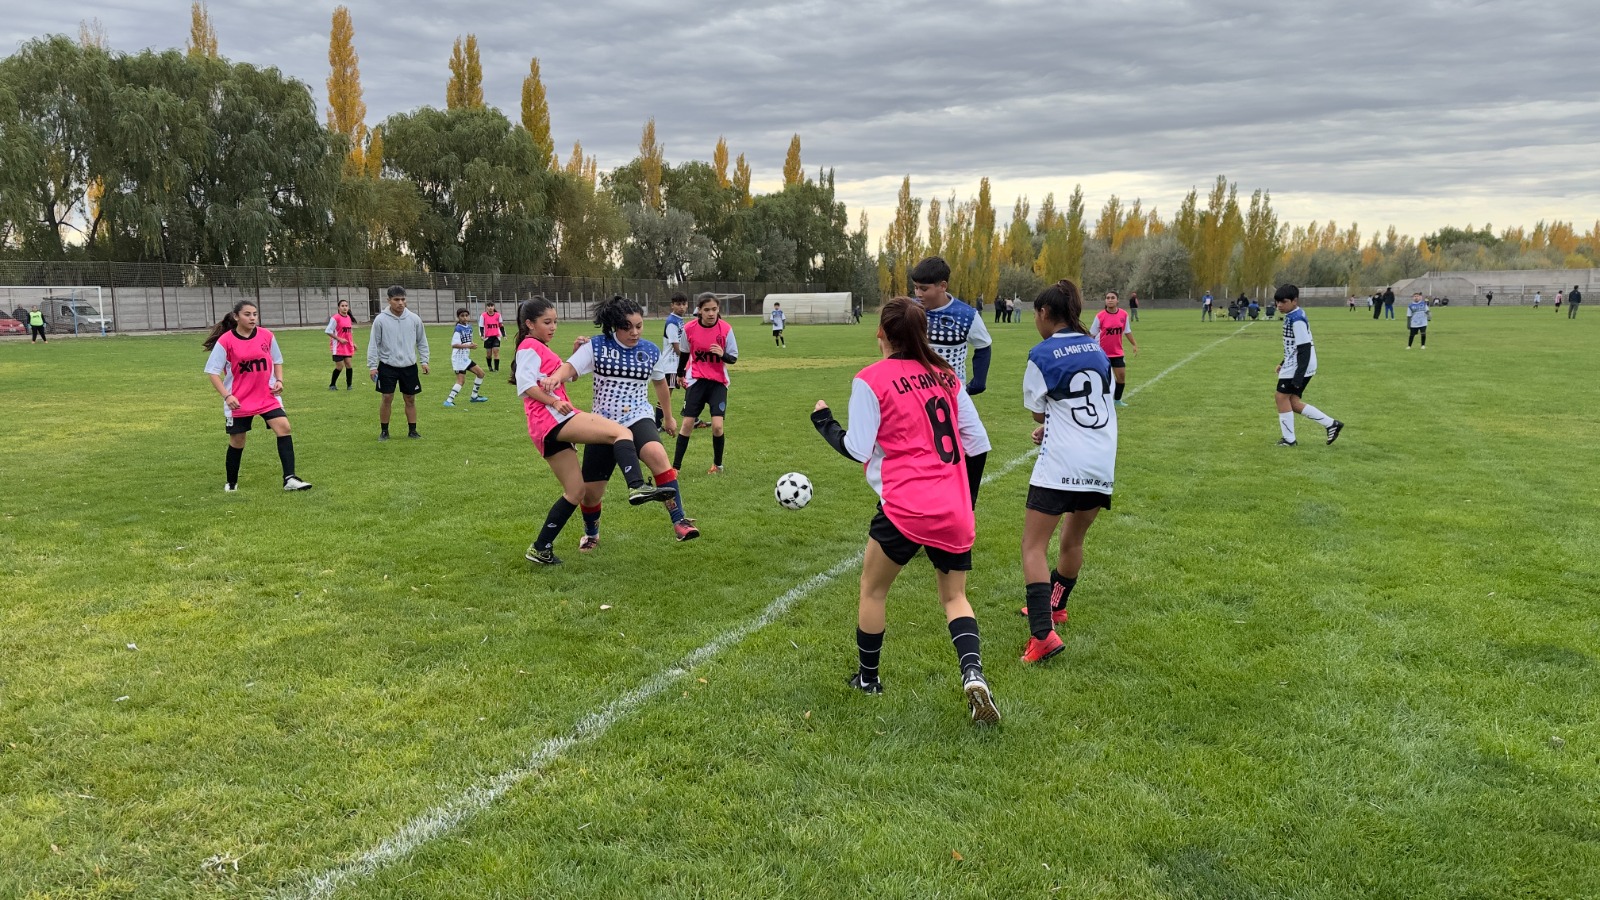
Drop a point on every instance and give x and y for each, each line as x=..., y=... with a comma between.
x=622, y=376
x=1068, y=378
x=952, y=328
x=1297, y=332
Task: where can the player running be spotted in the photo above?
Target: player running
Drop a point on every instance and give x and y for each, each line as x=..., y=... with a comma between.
x=491, y=329
x=246, y=368
x=555, y=425
x=1110, y=326
x=904, y=413
x=1068, y=387
x=342, y=344
x=461, y=360
x=953, y=326
x=1294, y=373
x=711, y=349
x=624, y=368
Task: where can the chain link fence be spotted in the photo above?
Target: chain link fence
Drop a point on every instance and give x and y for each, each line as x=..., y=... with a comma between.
x=142, y=297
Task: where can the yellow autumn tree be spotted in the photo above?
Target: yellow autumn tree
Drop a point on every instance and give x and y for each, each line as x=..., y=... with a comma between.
x=935, y=245
x=202, y=34
x=536, y=114
x=792, y=171
x=719, y=162
x=741, y=181
x=652, y=157
x=92, y=33
x=372, y=164
x=347, y=114
x=466, y=76
x=901, y=242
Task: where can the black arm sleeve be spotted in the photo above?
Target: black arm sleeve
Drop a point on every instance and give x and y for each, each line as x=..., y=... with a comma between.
x=1302, y=361
x=729, y=359
x=831, y=431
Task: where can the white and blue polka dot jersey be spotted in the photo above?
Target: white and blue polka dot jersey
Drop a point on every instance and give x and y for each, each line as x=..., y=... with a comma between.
x=954, y=327
x=622, y=377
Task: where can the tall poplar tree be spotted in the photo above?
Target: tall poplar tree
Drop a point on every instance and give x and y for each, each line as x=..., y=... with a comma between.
x=741, y=180
x=652, y=157
x=935, y=228
x=719, y=162
x=901, y=242
x=1077, y=234
x=347, y=114
x=1019, y=239
x=792, y=171
x=465, y=89
x=202, y=34
x=536, y=114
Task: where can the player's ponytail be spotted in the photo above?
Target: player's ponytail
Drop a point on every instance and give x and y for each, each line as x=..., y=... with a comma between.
x=529, y=311
x=230, y=321
x=614, y=313
x=904, y=324
x=1062, y=303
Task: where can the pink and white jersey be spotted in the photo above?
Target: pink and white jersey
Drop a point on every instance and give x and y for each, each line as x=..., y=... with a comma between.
x=903, y=423
x=489, y=325
x=246, y=365
x=341, y=340
x=535, y=361
x=702, y=362
x=1109, y=327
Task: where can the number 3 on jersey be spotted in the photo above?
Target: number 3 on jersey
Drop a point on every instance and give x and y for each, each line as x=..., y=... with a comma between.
x=1088, y=395
x=944, y=430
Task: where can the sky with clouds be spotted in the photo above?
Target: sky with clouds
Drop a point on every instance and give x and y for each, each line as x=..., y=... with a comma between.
x=1413, y=114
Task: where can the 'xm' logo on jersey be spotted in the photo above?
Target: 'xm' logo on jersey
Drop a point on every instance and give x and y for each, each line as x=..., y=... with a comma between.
x=247, y=366
x=706, y=356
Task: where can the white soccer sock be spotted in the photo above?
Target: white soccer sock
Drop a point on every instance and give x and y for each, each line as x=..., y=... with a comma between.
x=1316, y=415
x=1286, y=422
x=476, y=384
x=454, y=391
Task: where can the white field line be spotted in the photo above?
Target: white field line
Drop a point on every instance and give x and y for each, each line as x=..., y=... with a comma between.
x=443, y=818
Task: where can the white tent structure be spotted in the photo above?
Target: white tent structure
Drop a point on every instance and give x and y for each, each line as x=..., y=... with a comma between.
x=810, y=309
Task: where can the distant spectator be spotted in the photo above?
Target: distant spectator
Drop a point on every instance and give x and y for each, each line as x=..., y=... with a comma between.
x=1388, y=303
x=36, y=326
x=1573, y=299
x=1205, y=308
x=1133, y=304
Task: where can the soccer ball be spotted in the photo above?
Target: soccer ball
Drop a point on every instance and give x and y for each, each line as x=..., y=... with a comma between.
x=793, y=491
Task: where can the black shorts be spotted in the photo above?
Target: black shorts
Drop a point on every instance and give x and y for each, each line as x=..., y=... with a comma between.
x=1286, y=386
x=599, y=461
x=703, y=393
x=1053, y=502
x=1117, y=362
x=672, y=382
x=553, y=443
x=900, y=549
x=241, y=424
x=338, y=358
x=405, y=377
x=777, y=331
x=491, y=343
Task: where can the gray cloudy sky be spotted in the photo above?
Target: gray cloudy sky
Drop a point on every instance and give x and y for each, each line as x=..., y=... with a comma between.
x=1415, y=114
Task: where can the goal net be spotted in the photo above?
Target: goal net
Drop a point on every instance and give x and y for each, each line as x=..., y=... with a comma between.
x=67, y=309
x=810, y=309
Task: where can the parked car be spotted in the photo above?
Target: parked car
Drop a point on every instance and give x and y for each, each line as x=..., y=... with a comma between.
x=12, y=326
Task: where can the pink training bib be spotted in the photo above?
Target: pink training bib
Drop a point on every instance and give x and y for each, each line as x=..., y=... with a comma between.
x=250, y=363
x=1112, y=327
x=925, y=491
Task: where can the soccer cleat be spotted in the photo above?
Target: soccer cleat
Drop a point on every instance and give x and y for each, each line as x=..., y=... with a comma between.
x=1039, y=651
x=685, y=530
x=229, y=488
x=413, y=435
x=979, y=700
x=1334, y=429
x=1408, y=346
x=866, y=687
x=333, y=387
x=479, y=398
x=1285, y=443
x=1057, y=616
x=383, y=435
x=648, y=493
x=545, y=557
x=293, y=483
x=450, y=403
x=714, y=470
x=700, y=424
x=1120, y=404
x=588, y=542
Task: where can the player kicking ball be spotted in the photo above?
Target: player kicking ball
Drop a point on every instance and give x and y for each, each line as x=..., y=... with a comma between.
x=1294, y=373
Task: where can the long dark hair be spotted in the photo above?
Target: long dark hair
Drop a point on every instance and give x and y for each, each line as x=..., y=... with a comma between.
x=904, y=324
x=530, y=310
x=614, y=313
x=230, y=321
x=1063, y=303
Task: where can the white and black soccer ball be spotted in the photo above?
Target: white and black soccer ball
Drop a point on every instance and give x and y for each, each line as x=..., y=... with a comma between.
x=793, y=491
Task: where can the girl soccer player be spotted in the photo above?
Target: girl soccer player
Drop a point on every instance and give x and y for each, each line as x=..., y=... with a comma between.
x=624, y=367
x=712, y=349
x=1110, y=326
x=903, y=428
x=461, y=360
x=554, y=425
x=342, y=344
x=1067, y=387
x=246, y=368
x=490, y=327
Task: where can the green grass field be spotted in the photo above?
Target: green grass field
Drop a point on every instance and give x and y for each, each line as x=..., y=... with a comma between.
x=1359, y=670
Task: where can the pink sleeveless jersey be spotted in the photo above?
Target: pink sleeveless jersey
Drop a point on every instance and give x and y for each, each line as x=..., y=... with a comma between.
x=702, y=362
x=250, y=364
x=1112, y=327
x=925, y=491
x=535, y=361
x=491, y=325
x=343, y=342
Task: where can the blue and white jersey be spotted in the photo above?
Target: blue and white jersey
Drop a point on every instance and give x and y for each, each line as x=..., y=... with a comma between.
x=671, y=337
x=1296, y=331
x=951, y=328
x=777, y=320
x=622, y=377
x=460, y=360
x=1068, y=378
x=1418, y=311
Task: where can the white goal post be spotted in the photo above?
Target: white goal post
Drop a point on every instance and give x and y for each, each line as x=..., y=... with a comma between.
x=811, y=309
x=70, y=309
